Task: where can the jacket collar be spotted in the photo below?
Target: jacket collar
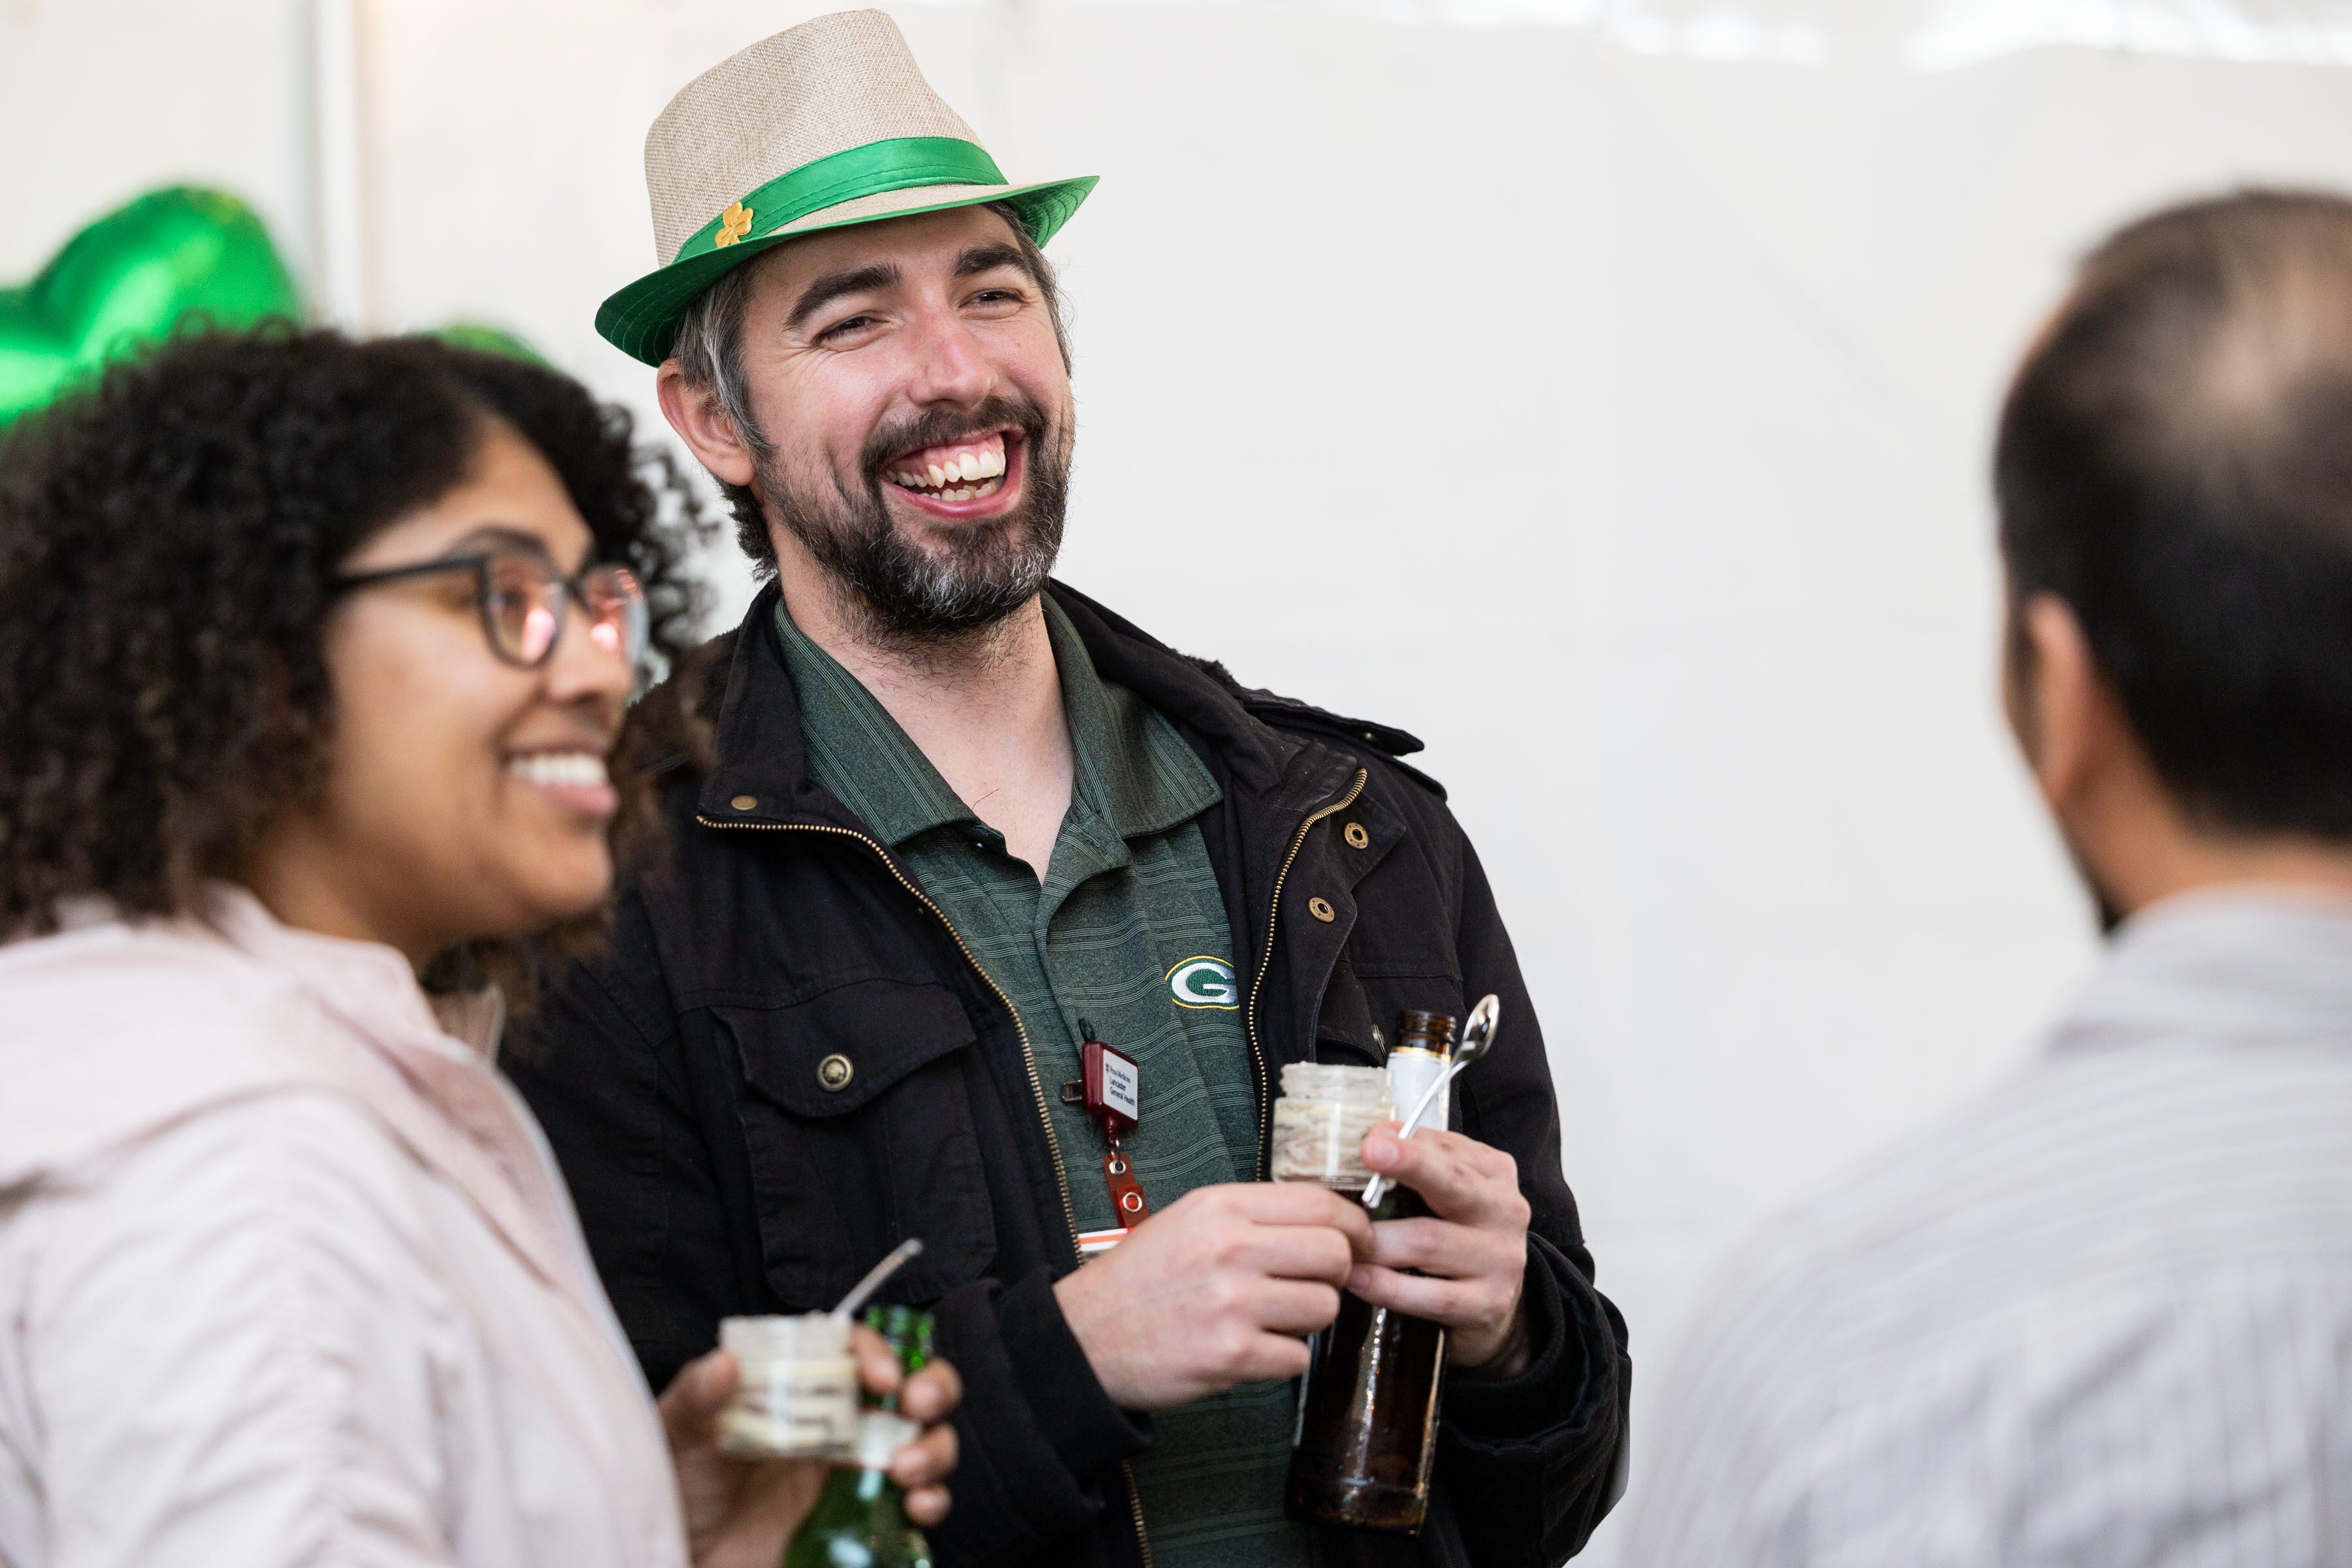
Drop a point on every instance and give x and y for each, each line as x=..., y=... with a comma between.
x=761, y=773
x=123, y=1027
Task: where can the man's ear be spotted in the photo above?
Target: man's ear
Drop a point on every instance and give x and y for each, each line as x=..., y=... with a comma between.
x=703, y=424
x=2069, y=722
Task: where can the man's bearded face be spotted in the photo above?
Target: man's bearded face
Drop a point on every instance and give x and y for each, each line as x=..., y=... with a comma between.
x=910, y=385
x=914, y=575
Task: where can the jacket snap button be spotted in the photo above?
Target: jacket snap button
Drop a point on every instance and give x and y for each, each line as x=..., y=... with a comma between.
x=834, y=1072
x=1356, y=836
x=745, y=802
x=1322, y=910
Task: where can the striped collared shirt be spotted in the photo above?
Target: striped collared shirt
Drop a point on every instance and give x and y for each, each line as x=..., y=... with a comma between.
x=2102, y=1317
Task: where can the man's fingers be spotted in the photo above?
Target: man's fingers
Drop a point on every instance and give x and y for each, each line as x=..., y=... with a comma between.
x=1272, y=1358
x=926, y=1506
x=928, y=1461
x=931, y=1394
x=1453, y=1302
x=695, y=1396
x=1293, y=1203
x=1296, y=1252
x=1448, y=1250
x=1296, y=1307
x=1462, y=1179
x=878, y=1364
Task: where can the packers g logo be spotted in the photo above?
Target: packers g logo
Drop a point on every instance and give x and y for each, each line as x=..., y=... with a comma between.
x=1204, y=983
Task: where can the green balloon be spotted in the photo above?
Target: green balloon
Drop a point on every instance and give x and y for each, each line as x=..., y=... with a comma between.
x=488, y=340
x=130, y=278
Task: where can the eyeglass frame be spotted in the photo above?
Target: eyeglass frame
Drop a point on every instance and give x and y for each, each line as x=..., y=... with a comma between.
x=479, y=565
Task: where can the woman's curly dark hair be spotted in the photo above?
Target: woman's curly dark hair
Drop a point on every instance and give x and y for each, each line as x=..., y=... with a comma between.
x=169, y=541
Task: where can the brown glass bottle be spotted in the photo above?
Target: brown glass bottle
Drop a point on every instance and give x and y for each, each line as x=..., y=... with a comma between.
x=1368, y=1410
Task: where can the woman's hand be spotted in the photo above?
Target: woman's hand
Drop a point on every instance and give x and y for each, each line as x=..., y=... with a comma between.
x=740, y=1512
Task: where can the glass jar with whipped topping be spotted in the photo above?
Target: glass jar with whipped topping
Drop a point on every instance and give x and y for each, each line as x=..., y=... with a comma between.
x=798, y=1397
x=1320, y=1121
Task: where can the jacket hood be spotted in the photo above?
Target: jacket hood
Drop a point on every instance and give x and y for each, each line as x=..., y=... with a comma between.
x=118, y=1029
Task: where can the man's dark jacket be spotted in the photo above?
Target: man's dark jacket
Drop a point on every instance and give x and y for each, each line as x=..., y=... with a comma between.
x=719, y=1171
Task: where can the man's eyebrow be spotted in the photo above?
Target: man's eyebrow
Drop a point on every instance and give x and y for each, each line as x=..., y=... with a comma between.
x=989, y=258
x=834, y=285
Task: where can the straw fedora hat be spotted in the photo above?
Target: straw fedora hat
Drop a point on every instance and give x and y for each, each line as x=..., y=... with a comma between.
x=824, y=125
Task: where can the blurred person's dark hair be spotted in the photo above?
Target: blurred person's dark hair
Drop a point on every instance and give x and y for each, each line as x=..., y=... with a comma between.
x=709, y=353
x=2175, y=463
x=169, y=541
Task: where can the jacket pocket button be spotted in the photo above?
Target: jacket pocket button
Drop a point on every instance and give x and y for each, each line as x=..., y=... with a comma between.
x=745, y=803
x=834, y=1072
x=1356, y=836
x=1322, y=910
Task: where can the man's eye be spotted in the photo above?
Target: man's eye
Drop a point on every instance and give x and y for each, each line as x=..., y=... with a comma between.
x=847, y=324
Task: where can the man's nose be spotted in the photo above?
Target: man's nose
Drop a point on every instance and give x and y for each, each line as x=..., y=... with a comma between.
x=949, y=363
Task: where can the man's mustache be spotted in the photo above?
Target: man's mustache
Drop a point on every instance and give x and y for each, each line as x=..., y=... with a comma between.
x=944, y=426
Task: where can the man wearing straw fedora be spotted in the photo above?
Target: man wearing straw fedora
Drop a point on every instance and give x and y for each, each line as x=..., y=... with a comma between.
x=944, y=835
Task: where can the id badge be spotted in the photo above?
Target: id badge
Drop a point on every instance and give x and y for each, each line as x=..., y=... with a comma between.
x=1112, y=1093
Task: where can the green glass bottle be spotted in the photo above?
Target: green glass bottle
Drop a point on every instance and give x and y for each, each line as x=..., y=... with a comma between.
x=860, y=1518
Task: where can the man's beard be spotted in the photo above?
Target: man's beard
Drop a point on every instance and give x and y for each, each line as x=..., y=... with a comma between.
x=903, y=594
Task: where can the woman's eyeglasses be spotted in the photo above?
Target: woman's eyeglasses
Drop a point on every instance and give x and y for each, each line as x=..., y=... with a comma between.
x=523, y=599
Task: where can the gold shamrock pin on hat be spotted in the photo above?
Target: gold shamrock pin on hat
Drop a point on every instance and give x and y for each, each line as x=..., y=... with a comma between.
x=824, y=125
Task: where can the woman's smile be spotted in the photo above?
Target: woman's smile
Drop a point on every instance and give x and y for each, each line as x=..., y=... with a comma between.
x=574, y=779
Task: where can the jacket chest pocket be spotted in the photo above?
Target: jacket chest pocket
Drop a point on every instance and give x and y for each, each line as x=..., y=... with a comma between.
x=856, y=1114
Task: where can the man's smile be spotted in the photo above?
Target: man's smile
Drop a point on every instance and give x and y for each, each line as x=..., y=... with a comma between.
x=963, y=479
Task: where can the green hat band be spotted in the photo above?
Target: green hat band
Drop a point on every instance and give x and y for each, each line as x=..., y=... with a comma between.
x=892, y=165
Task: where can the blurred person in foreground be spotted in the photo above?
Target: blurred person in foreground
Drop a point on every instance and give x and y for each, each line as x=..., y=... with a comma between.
x=2104, y=1315
x=935, y=819
x=312, y=654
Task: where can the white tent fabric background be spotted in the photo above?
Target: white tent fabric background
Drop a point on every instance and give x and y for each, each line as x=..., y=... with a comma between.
x=1601, y=389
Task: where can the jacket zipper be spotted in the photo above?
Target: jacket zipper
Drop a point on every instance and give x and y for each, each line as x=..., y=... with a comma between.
x=1028, y=1054
x=1135, y=1501
x=1265, y=958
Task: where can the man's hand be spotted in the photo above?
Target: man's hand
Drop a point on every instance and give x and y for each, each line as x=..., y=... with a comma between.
x=740, y=1513
x=1472, y=1253
x=1220, y=1287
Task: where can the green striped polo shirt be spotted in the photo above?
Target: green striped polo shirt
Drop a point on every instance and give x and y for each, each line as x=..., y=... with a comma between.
x=1127, y=931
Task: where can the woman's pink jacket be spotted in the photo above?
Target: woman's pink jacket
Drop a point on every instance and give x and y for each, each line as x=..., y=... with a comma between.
x=288, y=1277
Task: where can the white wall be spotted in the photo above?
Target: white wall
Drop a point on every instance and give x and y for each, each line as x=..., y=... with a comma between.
x=1612, y=415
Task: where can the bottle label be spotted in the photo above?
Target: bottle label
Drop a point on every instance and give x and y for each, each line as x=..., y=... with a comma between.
x=880, y=1435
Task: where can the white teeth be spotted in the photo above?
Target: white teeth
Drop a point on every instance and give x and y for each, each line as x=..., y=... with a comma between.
x=560, y=769
x=963, y=469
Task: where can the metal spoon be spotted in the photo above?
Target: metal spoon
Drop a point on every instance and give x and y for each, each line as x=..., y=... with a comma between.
x=1477, y=1036
x=903, y=1252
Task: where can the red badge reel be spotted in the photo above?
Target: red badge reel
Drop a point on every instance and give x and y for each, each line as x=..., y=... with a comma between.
x=1112, y=1093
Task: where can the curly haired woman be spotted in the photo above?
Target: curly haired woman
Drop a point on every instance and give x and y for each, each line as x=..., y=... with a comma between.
x=312, y=655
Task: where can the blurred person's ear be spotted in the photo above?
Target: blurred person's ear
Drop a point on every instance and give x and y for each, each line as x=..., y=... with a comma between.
x=2067, y=718
x=2124, y=830
x=702, y=422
